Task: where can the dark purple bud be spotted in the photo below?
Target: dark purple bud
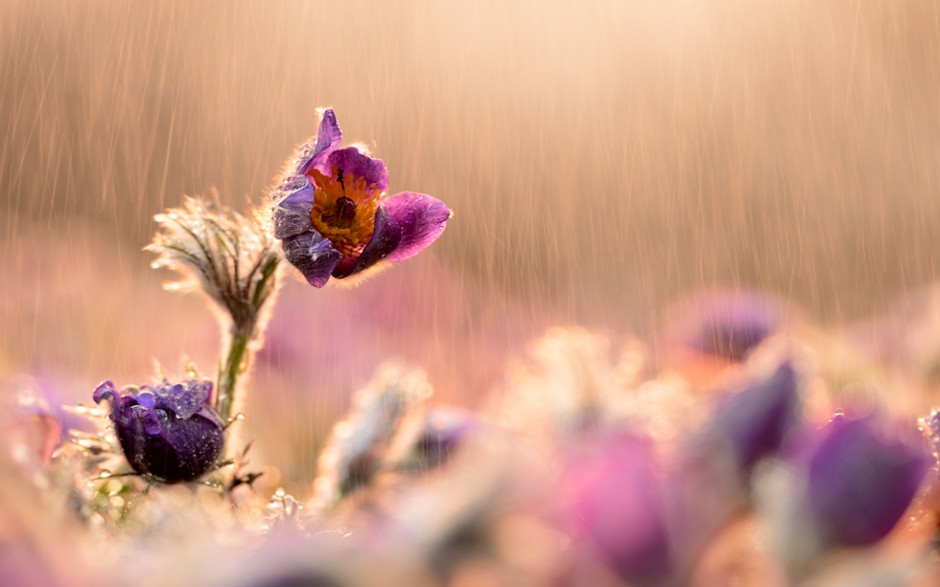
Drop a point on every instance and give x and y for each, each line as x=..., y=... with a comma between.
x=168, y=431
x=860, y=480
x=756, y=420
x=615, y=506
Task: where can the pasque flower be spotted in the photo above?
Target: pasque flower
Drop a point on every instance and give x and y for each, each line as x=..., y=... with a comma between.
x=860, y=479
x=615, y=504
x=755, y=421
x=729, y=324
x=167, y=430
x=332, y=215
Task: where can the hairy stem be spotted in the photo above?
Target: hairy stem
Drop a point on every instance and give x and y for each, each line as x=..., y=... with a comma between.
x=236, y=362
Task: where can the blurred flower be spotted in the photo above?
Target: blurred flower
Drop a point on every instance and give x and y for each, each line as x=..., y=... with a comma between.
x=727, y=324
x=567, y=387
x=229, y=255
x=754, y=422
x=333, y=219
x=428, y=440
x=615, y=503
x=859, y=480
x=357, y=445
x=168, y=430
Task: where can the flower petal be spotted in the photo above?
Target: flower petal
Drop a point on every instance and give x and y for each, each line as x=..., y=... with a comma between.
x=105, y=391
x=860, y=481
x=196, y=445
x=756, y=420
x=292, y=214
x=313, y=255
x=328, y=137
x=353, y=163
x=421, y=218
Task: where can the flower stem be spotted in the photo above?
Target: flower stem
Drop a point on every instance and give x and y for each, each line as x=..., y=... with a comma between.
x=236, y=363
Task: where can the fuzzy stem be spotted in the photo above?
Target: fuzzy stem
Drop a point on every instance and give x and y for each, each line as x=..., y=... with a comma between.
x=236, y=362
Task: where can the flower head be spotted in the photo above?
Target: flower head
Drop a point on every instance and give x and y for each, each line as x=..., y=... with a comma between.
x=728, y=324
x=332, y=215
x=755, y=421
x=166, y=430
x=859, y=481
x=615, y=504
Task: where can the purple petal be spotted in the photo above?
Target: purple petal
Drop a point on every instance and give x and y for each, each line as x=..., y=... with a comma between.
x=210, y=415
x=313, y=255
x=615, y=503
x=860, y=483
x=730, y=323
x=422, y=219
x=197, y=444
x=756, y=421
x=352, y=163
x=149, y=418
x=105, y=391
x=292, y=214
x=328, y=138
x=385, y=238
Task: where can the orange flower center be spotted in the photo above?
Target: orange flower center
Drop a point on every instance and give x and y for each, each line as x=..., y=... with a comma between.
x=344, y=210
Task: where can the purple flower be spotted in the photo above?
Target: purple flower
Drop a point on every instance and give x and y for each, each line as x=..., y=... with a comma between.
x=433, y=438
x=333, y=219
x=729, y=323
x=859, y=480
x=616, y=505
x=167, y=430
x=756, y=420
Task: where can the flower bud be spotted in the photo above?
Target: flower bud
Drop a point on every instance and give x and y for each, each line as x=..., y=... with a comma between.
x=615, y=506
x=756, y=420
x=859, y=481
x=168, y=431
x=729, y=324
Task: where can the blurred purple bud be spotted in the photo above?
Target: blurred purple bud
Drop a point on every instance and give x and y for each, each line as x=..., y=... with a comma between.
x=729, y=324
x=168, y=430
x=757, y=419
x=433, y=438
x=444, y=431
x=615, y=505
x=860, y=480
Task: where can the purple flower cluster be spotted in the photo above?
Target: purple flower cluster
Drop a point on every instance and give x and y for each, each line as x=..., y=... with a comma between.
x=649, y=522
x=167, y=431
x=333, y=218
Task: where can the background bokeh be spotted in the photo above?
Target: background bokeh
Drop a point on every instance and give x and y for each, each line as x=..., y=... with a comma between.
x=602, y=159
